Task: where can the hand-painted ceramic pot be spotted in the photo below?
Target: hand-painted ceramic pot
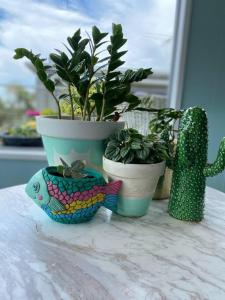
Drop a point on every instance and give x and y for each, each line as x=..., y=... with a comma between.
x=74, y=139
x=69, y=200
x=139, y=184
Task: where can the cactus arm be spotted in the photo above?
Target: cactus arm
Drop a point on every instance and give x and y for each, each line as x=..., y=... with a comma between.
x=219, y=165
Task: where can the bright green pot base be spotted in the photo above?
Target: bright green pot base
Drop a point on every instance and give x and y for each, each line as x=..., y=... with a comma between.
x=133, y=207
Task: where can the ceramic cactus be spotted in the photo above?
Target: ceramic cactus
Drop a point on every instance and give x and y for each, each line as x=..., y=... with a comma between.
x=190, y=167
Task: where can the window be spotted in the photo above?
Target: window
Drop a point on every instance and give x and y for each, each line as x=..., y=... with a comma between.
x=41, y=25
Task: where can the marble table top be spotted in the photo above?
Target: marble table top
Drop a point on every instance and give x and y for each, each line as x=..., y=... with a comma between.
x=112, y=257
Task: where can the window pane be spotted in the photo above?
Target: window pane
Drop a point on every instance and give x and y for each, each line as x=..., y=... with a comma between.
x=43, y=25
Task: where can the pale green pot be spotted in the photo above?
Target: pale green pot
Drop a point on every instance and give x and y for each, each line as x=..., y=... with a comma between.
x=138, y=187
x=74, y=139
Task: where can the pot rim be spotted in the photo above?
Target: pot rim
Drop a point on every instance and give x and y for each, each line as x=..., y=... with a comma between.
x=134, y=165
x=76, y=129
x=132, y=170
x=66, y=118
x=96, y=175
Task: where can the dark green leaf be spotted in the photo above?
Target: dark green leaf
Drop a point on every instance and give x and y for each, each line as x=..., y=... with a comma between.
x=97, y=35
x=104, y=59
x=143, y=154
x=124, y=152
x=114, y=65
x=63, y=96
x=112, y=75
x=82, y=45
x=49, y=84
x=42, y=75
x=100, y=44
x=128, y=159
x=136, y=146
x=74, y=40
x=57, y=59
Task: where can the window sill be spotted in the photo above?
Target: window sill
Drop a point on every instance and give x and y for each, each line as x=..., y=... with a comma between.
x=22, y=153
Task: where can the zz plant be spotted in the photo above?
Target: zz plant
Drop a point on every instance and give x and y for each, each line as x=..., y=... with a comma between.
x=82, y=67
x=129, y=146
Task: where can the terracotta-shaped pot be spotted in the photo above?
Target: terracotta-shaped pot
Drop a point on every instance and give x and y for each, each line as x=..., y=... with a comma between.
x=164, y=185
x=74, y=139
x=139, y=184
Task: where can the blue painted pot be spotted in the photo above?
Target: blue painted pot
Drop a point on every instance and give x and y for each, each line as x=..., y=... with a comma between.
x=72, y=200
x=74, y=139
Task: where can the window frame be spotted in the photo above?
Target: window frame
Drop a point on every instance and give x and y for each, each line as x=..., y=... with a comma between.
x=179, y=53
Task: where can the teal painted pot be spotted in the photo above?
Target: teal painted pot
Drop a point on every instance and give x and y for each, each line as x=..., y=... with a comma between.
x=72, y=200
x=74, y=139
x=139, y=185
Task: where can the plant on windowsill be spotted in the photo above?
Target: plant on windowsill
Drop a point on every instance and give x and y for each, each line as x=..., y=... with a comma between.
x=138, y=161
x=80, y=69
x=164, y=125
x=22, y=136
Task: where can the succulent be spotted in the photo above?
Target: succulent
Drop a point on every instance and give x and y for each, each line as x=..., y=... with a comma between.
x=191, y=168
x=129, y=146
x=76, y=170
x=83, y=66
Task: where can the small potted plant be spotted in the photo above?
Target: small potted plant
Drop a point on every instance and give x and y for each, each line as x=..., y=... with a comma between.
x=72, y=194
x=164, y=125
x=138, y=161
x=81, y=69
x=22, y=136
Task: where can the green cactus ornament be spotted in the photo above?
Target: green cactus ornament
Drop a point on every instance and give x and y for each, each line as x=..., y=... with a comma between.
x=190, y=167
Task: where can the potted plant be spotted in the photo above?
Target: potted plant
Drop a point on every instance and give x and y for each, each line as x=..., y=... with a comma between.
x=138, y=161
x=164, y=125
x=23, y=136
x=78, y=70
x=72, y=194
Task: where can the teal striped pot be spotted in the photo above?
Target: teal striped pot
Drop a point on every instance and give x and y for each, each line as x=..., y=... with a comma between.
x=138, y=187
x=74, y=139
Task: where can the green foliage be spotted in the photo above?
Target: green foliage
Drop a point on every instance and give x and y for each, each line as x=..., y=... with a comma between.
x=163, y=126
x=81, y=69
x=37, y=62
x=164, y=121
x=22, y=131
x=129, y=146
x=76, y=170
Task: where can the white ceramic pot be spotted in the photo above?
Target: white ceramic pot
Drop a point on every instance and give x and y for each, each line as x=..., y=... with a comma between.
x=74, y=139
x=139, y=185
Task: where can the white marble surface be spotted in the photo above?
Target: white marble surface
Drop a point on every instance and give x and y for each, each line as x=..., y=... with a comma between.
x=153, y=257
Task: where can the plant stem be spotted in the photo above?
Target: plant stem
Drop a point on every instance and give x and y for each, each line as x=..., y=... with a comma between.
x=71, y=101
x=58, y=106
x=86, y=102
x=103, y=107
x=104, y=100
x=91, y=73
